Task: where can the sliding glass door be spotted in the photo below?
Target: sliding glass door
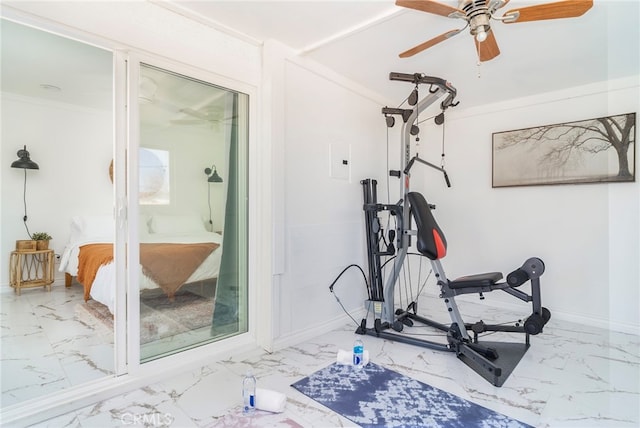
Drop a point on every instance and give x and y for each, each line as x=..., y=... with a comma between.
x=57, y=102
x=192, y=212
x=169, y=180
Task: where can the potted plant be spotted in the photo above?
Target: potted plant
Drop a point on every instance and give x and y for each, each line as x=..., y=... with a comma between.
x=42, y=240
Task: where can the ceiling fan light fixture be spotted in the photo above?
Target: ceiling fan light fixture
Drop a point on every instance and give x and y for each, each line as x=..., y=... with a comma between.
x=481, y=35
x=479, y=23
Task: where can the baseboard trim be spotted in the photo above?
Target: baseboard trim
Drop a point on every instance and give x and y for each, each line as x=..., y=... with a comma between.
x=317, y=329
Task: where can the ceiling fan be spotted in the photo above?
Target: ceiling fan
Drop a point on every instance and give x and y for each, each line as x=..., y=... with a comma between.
x=207, y=115
x=478, y=13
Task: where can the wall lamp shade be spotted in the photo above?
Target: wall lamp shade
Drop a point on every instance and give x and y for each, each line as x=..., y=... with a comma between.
x=212, y=173
x=24, y=161
x=212, y=177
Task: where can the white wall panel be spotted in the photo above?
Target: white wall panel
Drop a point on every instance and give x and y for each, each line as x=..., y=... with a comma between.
x=586, y=234
x=73, y=147
x=323, y=215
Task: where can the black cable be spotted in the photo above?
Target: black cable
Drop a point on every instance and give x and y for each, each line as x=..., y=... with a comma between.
x=404, y=101
x=442, y=155
x=209, y=202
x=424, y=120
x=391, y=258
x=24, y=200
x=402, y=269
x=345, y=310
x=364, y=276
x=389, y=216
x=424, y=283
x=388, y=175
x=406, y=273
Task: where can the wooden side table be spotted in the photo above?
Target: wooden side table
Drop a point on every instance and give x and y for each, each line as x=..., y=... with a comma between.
x=31, y=269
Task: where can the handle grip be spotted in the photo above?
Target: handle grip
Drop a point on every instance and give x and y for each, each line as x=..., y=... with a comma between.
x=446, y=179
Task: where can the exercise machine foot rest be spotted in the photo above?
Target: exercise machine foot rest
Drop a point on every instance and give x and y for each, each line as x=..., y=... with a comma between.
x=495, y=371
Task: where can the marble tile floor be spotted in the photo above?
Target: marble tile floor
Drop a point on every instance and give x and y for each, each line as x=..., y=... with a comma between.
x=48, y=343
x=572, y=376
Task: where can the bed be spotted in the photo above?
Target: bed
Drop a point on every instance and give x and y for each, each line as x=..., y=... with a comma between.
x=164, y=241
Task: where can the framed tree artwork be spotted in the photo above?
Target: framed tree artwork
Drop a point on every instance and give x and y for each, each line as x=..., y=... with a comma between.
x=598, y=150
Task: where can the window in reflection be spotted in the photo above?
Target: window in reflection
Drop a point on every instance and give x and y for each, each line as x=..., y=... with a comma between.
x=154, y=177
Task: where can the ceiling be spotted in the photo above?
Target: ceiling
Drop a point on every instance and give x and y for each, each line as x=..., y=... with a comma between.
x=42, y=65
x=39, y=64
x=362, y=39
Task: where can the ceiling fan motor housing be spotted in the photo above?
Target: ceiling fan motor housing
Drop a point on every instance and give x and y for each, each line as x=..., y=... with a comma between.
x=477, y=16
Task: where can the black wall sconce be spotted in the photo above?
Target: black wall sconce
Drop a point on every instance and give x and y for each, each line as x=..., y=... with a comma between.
x=212, y=173
x=24, y=161
x=212, y=177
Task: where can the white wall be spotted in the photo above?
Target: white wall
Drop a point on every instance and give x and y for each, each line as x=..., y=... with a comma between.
x=318, y=220
x=73, y=147
x=575, y=229
x=187, y=145
x=114, y=25
x=586, y=234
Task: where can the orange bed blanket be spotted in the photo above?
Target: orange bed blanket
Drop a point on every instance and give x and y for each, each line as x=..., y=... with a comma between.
x=169, y=265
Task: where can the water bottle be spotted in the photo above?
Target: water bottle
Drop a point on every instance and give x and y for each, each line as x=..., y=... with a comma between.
x=249, y=393
x=358, y=354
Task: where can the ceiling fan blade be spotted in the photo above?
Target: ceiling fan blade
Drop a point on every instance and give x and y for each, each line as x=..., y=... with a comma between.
x=422, y=46
x=488, y=49
x=431, y=6
x=187, y=121
x=194, y=113
x=560, y=9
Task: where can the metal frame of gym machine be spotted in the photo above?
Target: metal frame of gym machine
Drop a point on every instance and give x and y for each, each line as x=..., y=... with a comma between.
x=492, y=360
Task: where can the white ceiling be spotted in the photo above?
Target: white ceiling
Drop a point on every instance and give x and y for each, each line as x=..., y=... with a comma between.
x=39, y=64
x=362, y=39
x=42, y=65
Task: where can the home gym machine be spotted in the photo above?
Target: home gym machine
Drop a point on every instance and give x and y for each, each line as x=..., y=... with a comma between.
x=492, y=360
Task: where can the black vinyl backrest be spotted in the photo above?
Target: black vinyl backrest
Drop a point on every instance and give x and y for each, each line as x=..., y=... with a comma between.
x=431, y=240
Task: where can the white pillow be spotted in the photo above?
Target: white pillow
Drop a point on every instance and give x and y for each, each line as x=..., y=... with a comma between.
x=143, y=225
x=92, y=228
x=188, y=223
